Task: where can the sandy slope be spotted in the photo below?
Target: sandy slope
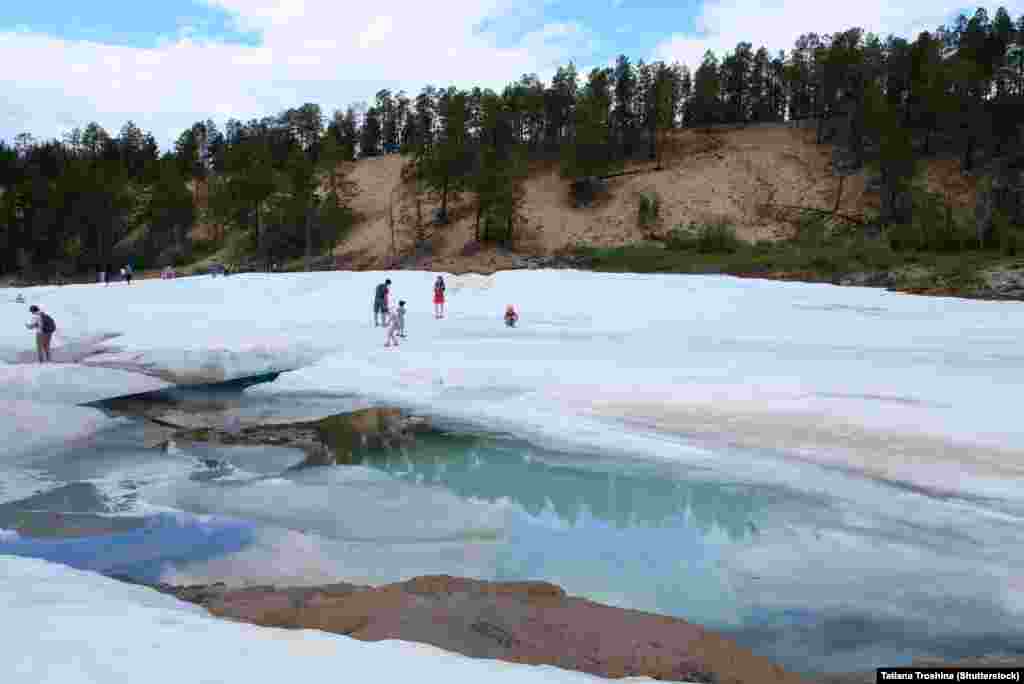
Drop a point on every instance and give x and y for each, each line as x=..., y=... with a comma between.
x=727, y=174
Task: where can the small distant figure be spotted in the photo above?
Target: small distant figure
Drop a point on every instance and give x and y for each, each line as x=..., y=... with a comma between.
x=439, y=297
x=511, y=317
x=20, y=299
x=44, y=326
x=380, y=303
x=396, y=328
x=127, y=272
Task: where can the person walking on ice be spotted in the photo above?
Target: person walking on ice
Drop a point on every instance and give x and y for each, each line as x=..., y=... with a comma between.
x=44, y=326
x=511, y=317
x=380, y=303
x=397, y=325
x=439, y=297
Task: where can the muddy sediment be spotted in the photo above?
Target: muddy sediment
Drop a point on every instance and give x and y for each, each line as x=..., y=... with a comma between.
x=523, y=622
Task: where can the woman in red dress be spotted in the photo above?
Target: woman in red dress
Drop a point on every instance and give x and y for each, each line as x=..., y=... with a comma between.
x=439, y=297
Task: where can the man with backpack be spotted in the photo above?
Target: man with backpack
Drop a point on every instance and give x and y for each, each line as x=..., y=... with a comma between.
x=380, y=303
x=44, y=327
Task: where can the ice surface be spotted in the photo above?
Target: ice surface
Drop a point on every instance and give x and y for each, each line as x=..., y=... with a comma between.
x=910, y=389
x=832, y=393
x=65, y=383
x=26, y=427
x=77, y=627
x=352, y=504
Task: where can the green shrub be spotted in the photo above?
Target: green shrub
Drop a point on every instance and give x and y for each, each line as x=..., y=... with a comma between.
x=648, y=209
x=681, y=239
x=903, y=236
x=717, y=238
x=812, y=230
x=875, y=255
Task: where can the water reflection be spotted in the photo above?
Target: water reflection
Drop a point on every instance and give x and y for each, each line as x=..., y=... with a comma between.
x=810, y=581
x=474, y=467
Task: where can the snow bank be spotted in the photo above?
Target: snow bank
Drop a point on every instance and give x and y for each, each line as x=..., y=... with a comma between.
x=71, y=383
x=75, y=626
x=27, y=427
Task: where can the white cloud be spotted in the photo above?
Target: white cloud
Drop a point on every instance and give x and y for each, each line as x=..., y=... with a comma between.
x=336, y=53
x=320, y=44
x=378, y=31
x=777, y=24
x=319, y=51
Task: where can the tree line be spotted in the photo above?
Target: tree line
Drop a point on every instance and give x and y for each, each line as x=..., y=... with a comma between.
x=277, y=186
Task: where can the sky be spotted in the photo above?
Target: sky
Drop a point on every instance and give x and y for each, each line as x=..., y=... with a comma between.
x=166, y=65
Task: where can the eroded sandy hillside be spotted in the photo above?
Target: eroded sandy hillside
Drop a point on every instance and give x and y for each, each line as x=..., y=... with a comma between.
x=727, y=174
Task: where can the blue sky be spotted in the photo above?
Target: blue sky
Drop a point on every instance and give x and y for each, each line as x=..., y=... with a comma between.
x=167, y=64
x=120, y=22
x=616, y=26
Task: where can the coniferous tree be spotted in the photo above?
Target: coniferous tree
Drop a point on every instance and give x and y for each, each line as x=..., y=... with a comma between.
x=706, y=92
x=735, y=71
x=370, y=134
x=588, y=153
x=444, y=164
x=624, y=115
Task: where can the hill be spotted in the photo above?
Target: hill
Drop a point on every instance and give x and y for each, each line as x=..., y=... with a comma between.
x=726, y=174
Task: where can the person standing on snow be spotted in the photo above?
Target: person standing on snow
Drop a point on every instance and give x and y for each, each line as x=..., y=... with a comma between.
x=397, y=325
x=128, y=273
x=511, y=317
x=44, y=327
x=380, y=303
x=439, y=297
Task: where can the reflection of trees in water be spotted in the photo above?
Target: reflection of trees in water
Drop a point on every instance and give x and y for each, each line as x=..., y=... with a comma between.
x=472, y=467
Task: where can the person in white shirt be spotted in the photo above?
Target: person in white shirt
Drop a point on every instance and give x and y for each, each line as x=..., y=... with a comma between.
x=396, y=325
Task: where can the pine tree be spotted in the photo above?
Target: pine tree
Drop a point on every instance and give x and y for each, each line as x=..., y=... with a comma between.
x=624, y=115
x=706, y=92
x=759, y=85
x=443, y=165
x=588, y=152
x=735, y=73
x=896, y=155
x=370, y=134
x=385, y=106
x=497, y=181
x=662, y=112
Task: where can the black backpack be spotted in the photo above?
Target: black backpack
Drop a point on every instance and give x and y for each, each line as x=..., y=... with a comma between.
x=48, y=325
